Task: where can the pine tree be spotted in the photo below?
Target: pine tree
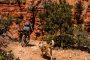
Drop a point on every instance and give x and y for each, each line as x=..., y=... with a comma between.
x=57, y=16
x=78, y=12
x=33, y=9
x=58, y=19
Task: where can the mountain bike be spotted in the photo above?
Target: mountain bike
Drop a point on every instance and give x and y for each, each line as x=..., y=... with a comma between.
x=24, y=41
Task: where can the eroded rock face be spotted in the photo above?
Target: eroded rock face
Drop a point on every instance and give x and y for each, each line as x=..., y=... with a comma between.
x=11, y=1
x=22, y=9
x=13, y=31
x=87, y=20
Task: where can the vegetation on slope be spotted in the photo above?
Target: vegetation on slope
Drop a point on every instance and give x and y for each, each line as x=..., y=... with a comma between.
x=59, y=27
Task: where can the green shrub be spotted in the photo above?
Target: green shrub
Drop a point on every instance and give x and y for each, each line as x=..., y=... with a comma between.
x=6, y=55
x=48, y=38
x=64, y=41
x=5, y=23
x=58, y=24
x=81, y=36
x=57, y=17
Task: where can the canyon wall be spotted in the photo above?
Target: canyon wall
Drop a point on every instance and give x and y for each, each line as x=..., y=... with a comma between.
x=15, y=9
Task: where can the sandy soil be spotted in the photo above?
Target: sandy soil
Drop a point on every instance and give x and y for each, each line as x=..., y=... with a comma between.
x=34, y=53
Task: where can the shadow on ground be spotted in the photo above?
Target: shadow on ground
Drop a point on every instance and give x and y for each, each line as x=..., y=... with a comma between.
x=82, y=48
x=31, y=45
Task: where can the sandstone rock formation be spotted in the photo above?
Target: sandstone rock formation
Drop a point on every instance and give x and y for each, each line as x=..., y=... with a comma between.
x=15, y=9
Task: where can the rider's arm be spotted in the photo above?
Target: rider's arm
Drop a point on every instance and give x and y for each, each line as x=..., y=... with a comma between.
x=31, y=27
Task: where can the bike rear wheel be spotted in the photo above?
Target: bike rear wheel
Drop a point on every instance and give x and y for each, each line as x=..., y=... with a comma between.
x=23, y=41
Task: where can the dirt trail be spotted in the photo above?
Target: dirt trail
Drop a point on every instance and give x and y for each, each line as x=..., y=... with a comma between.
x=26, y=53
x=34, y=53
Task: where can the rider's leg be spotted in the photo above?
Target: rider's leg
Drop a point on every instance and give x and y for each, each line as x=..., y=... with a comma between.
x=23, y=38
x=28, y=37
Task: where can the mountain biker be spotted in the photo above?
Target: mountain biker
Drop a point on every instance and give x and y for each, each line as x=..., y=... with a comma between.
x=26, y=30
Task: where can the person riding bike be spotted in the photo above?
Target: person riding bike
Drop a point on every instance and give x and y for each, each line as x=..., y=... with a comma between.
x=25, y=32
